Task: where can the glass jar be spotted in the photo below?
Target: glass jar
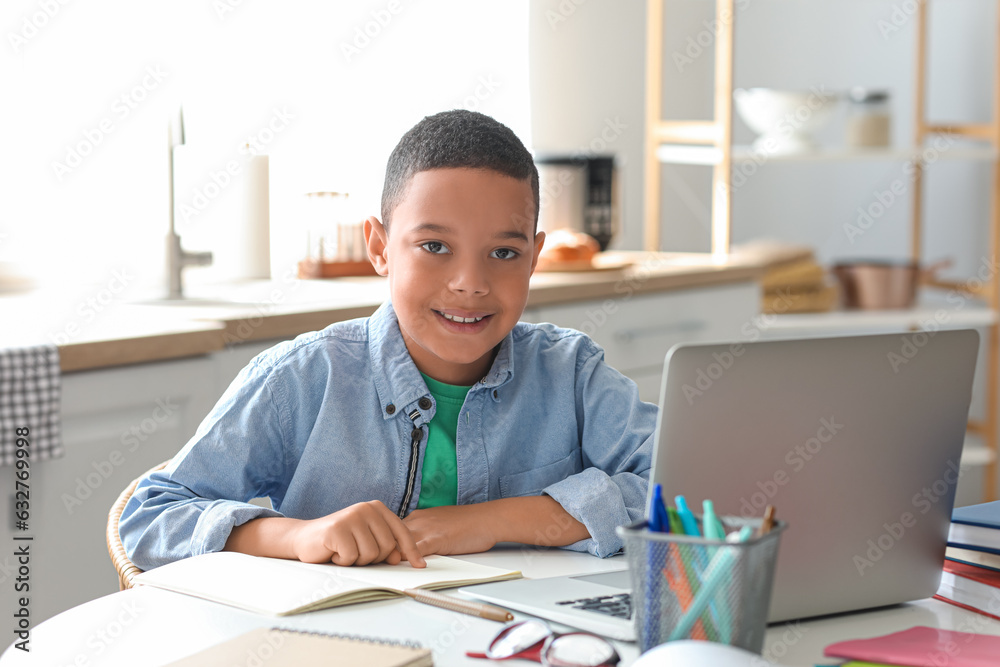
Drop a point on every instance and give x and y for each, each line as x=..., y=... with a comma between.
x=868, y=121
x=326, y=240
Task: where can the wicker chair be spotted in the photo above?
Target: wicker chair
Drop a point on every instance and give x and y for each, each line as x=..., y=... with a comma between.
x=126, y=569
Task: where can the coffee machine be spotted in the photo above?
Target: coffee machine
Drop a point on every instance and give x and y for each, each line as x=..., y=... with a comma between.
x=579, y=192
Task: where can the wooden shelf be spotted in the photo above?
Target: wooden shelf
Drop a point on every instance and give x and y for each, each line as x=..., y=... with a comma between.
x=976, y=454
x=944, y=315
x=709, y=143
x=711, y=155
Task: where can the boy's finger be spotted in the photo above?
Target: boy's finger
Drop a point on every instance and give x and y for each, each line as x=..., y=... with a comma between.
x=407, y=546
x=404, y=539
x=386, y=541
x=425, y=547
x=368, y=547
x=345, y=554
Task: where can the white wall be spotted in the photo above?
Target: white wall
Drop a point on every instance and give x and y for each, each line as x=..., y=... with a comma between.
x=586, y=78
x=346, y=78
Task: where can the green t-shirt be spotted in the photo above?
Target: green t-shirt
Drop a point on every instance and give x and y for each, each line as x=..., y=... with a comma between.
x=439, y=475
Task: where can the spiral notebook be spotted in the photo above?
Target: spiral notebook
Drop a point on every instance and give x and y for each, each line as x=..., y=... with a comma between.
x=284, y=647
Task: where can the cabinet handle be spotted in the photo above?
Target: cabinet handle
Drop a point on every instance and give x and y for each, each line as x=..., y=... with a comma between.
x=682, y=327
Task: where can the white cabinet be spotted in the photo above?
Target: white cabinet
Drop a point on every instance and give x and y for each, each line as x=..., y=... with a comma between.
x=637, y=331
x=119, y=422
x=116, y=424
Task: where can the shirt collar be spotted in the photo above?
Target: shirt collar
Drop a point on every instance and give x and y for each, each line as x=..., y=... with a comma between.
x=397, y=379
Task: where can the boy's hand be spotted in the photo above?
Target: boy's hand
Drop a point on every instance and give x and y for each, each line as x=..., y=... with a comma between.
x=361, y=534
x=469, y=529
x=451, y=529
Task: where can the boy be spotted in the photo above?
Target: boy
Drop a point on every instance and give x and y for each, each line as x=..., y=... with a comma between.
x=439, y=425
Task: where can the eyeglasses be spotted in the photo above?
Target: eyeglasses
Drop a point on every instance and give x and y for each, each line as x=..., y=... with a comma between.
x=534, y=640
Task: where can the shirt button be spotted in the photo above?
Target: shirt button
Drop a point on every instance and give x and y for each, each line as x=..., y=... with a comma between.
x=389, y=409
x=424, y=403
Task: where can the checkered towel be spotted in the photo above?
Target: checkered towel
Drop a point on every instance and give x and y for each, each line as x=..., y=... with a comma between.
x=30, y=384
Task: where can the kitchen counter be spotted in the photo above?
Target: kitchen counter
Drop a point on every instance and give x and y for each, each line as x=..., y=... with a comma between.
x=99, y=329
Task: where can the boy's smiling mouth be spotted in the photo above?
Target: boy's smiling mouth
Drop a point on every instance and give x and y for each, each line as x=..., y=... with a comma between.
x=466, y=320
x=460, y=319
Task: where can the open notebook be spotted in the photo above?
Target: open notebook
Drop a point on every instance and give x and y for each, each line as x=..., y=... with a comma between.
x=284, y=587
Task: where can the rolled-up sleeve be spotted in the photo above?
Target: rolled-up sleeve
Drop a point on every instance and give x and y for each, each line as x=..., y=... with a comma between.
x=616, y=447
x=191, y=506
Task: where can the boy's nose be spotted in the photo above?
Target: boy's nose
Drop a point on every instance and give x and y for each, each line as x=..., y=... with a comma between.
x=470, y=278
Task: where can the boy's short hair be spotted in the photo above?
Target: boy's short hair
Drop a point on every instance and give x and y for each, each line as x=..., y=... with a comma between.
x=456, y=139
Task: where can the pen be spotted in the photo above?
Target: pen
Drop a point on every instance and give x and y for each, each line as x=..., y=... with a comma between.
x=479, y=609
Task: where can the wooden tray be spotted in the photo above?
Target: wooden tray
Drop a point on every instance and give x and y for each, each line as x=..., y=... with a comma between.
x=311, y=268
x=598, y=263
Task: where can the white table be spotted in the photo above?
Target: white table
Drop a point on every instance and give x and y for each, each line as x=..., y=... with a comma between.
x=148, y=626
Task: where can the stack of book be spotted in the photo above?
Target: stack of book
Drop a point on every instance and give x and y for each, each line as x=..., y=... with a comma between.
x=793, y=282
x=971, y=577
x=919, y=646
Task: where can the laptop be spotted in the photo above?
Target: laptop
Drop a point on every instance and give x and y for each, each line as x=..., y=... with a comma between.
x=855, y=440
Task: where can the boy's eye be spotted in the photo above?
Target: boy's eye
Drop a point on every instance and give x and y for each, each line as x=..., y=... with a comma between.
x=435, y=247
x=504, y=253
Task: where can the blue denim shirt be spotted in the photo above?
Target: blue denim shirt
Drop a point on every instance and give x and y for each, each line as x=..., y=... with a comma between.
x=326, y=420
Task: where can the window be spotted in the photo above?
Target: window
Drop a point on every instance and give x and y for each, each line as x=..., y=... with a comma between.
x=325, y=88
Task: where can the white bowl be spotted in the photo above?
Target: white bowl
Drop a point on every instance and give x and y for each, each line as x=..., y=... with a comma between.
x=784, y=118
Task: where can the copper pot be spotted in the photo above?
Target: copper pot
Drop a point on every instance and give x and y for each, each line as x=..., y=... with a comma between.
x=878, y=285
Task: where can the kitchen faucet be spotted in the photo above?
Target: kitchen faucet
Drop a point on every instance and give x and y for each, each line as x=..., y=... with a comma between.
x=177, y=257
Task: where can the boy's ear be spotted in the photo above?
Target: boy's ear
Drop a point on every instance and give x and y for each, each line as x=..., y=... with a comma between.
x=377, y=241
x=539, y=242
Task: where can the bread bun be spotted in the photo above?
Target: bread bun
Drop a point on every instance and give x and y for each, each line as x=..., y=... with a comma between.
x=565, y=245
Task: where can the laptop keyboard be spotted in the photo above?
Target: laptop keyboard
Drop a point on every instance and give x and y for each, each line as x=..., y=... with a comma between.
x=619, y=605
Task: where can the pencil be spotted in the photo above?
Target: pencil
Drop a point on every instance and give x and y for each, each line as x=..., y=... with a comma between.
x=768, y=522
x=479, y=609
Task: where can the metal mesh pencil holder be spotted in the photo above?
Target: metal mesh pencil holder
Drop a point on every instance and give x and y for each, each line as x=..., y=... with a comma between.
x=686, y=587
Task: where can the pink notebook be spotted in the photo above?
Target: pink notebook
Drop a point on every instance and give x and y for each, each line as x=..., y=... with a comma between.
x=923, y=647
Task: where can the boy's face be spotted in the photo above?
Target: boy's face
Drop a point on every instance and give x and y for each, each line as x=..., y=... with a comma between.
x=461, y=246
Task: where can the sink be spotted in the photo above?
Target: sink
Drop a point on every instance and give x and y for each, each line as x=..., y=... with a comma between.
x=189, y=301
x=258, y=293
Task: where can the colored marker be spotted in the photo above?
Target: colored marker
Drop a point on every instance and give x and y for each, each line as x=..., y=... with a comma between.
x=652, y=607
x=682, y=590
x=695, y=562
x=714, y=530
x=716, y=573
x=656, y=511
x=687, y=517
x=674, y=521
